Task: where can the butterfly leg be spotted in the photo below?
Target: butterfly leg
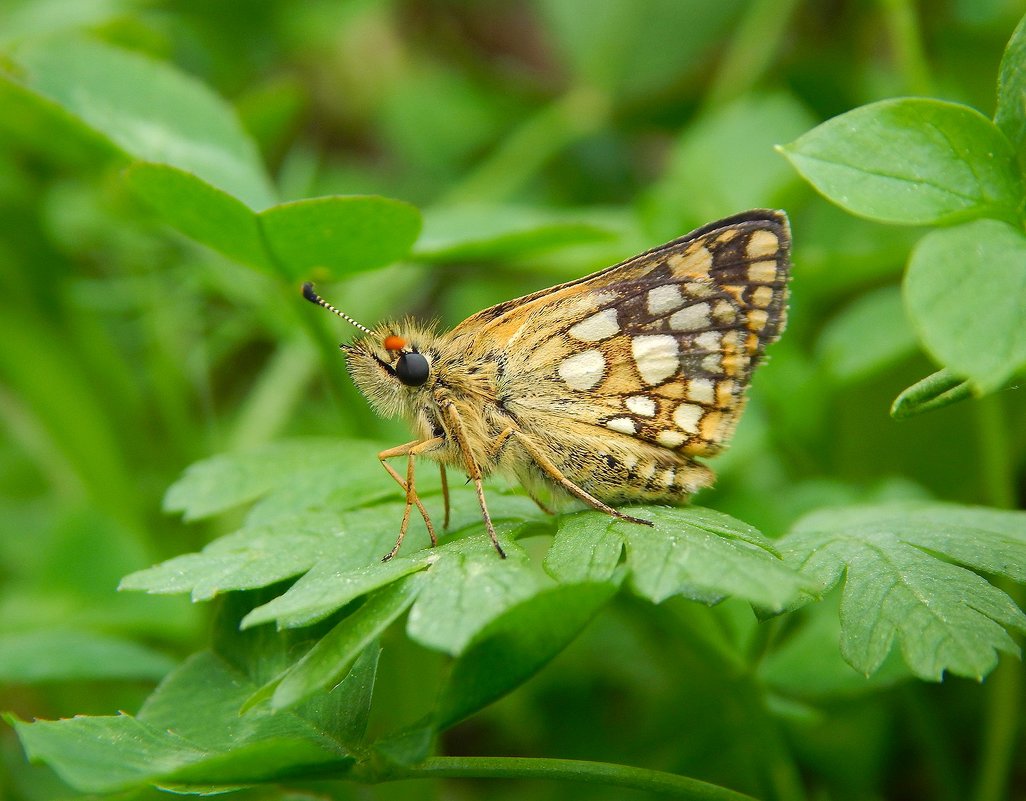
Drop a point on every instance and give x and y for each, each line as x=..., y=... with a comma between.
x=474, y=470
x=409, y=450
x=445, y=494
x=554, y=473
x=497, y=446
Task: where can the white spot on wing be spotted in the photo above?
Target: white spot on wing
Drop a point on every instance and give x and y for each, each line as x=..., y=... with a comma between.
x=687, y=417
x=599, y=326
x=622, y=424
x=691, y=318
x=710, y=340
x=664, y=299
x=583, y=371
x=670, y=439
x=762, y=243
x=656, y=356
x=641, y=404
x=701, y=390
x=762, y=272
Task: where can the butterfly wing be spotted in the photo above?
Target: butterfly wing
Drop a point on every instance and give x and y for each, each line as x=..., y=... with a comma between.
x=659, y=348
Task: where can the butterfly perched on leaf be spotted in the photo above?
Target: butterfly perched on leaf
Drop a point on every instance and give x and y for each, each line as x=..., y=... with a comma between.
x=609, y=388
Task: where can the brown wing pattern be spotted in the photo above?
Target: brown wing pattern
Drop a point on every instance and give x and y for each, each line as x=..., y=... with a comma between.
x=661, y=347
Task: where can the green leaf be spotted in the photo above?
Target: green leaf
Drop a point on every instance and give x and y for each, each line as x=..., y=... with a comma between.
x=867, y=336
x=253, y=557
x=698, y=553
x=1011, y=100
x=808, y=664
x=201, y=211
x=469, y=586
x=936, y=391
x=328, y=662
x=966, y=293
x=323, y=591
x=61, y=655
x=335, y=235
x=945, y=617
x=288, y=475
x=489, y=232
x=517, y=644
x=339, y=234
x=149, y=110
x=189, y=731
x=912, y=161
x=581, y=553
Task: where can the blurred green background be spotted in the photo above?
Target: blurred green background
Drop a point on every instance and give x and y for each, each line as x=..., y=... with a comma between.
x=542, y=140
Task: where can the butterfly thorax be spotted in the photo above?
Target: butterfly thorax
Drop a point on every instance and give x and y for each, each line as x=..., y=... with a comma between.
x=464, y=379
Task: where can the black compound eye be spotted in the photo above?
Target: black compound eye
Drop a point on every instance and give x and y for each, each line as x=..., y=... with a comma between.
x=412, y=369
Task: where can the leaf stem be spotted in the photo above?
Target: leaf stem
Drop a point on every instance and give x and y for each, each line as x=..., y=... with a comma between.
x=756, y=41
x=573, y=116
x=612, y=775
x=1004, y=688
x=906, y=39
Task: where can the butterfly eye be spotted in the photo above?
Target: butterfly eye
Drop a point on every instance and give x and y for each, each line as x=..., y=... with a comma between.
x=412, y=369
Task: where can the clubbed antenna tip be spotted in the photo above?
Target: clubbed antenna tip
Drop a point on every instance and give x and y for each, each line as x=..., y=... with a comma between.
x=313, y=297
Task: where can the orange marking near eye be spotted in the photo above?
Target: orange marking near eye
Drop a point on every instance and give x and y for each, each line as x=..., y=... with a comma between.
x=394, y=342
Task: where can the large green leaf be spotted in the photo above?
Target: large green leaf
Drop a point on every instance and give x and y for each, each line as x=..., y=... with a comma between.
x=63, y=654
x=966, y=293
x=944, y=617
x=189, y=732
x=912, y=161
x=1011, y=100
x=149, y=110
x=330, y=236
x=515, y=645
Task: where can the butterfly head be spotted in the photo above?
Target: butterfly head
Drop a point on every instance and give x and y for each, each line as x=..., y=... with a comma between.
x=389, y=364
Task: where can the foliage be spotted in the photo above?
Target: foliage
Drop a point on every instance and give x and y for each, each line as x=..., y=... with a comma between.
x=432, y=159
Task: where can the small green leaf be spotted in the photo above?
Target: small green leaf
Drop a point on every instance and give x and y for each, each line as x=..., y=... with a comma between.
x=149, y=110
x=340, y=235
x=912, y=161
x=334, y=235
x=966, y=293
x=1011, y=100
x=189, y=731
x=936, y=391
x=328, y=662
x=808, y=664
x=290, y=475
x=698, y=553
x=469, y=586
x=321, y=592
x=517, y=644
x=581, y=553
x=201, y=211
x=488, y=232
x=62, y=654
x=867, y=336
x=253, y=557
x=945, y=617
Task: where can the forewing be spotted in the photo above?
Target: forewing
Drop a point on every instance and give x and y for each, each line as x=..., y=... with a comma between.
x=660, y=347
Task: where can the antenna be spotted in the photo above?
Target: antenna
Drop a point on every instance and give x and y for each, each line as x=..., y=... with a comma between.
x=313, y=297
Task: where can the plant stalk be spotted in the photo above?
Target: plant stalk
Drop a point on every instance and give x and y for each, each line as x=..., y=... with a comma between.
x=574, y=770
x=1004, y=687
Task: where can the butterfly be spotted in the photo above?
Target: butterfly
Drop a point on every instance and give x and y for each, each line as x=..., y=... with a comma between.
x=608, y=389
